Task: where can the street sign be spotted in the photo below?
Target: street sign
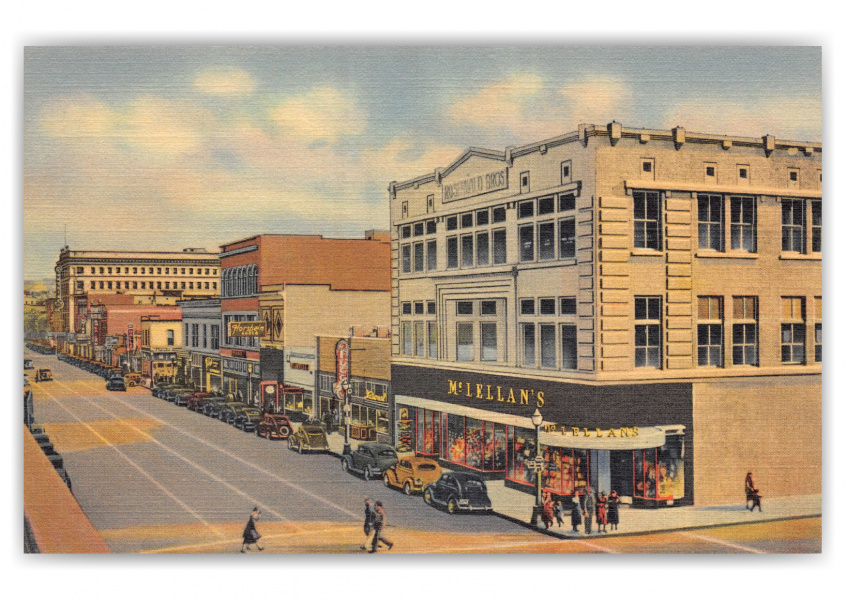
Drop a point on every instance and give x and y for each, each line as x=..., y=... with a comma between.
x=536, y=464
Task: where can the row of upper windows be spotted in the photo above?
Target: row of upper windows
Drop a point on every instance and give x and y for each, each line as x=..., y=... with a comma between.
x=742, y=224
x=210, y=335
x=147, y=271
x=143, y=285
x=239, y=281
x=742, y=172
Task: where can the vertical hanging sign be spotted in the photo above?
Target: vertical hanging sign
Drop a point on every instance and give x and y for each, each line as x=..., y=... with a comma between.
x=342, y=368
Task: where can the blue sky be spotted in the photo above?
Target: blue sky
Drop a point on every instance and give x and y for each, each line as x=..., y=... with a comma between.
x=161, y=148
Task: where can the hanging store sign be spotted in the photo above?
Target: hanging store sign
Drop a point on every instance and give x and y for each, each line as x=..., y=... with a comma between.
x=247, y=329
x=213, y=365
x=473, y=186
x=342, y=368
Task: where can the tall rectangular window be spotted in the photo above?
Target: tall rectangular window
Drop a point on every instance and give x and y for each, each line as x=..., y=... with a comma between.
x=744, y=344
x=818, y=329
x=546, y=241
x=432, y=331
x=431, y=255
x=205, y=336
x=647, y=331
x=407, y=341
x=567, y=238
x=569, y=347
x=406, y=258
x=170, y=340
x=464, y=341
x=547, y=346
x=185, y=329
x=482, y=248
x=793, y=330
x=466, y=250
x=195, y=335
x=709, y=331
x=418, y=257
x=743, y=223
x=647, y=220
x=527, y=243
x=452, y=252
x=816, y=225
x=528, y=344
x=215, y=337
x=499, y=249
x=792, y=225
x=489, y=346
x=419, y=340
x=710, y=221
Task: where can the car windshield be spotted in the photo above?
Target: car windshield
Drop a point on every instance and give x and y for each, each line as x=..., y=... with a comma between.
x=474, y=484
x=427, y=467
x=388, y=453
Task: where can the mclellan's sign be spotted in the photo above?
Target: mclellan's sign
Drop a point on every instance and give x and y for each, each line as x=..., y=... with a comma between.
x=247, y=329
x=478, y=184
x=495, y=393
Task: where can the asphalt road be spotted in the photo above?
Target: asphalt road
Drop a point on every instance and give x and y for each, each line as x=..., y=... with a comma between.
x=157, y=478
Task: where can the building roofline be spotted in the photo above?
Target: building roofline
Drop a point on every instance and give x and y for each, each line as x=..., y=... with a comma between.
x=613, y=130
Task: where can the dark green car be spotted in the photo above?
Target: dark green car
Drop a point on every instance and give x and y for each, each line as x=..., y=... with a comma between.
x=309, y=437
x=370, y=459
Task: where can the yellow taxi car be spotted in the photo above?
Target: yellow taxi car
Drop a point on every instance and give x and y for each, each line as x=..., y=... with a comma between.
x=412, y=474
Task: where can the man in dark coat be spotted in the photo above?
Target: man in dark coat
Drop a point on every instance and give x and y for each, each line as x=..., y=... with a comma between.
x=589, y=507
x=576, y=513
x=251, y=534
x=378, y=524
x=368, y=521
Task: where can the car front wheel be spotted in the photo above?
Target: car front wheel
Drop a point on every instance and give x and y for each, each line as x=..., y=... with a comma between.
x=284, y=431
x=386, y=479
x=452, y=506
x=427, y=497
x=407, y=488
x=300, y=447
x=368, y=474
x=345, y=465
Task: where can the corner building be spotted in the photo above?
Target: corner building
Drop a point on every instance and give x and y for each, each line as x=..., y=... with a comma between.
x=655, y=294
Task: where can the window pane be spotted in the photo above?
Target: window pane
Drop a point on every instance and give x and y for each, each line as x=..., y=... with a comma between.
x=420, y=342
x=499, y=214
x=546, y=241
x=433, y=339
x=567, y=202
x=567, y=238
x=546, y=205
x=499, y=251
x=418, y=257
x=452, y=252
x=526, y=209
x=464, y=334
x=640, y=308
x=547, y=346
x=488, y=307
x=489, y=347
x=406, y=339
x=482, y=248
x=464, y=308
x=432, y=255
x=569, y=347
x=547, y=306
x=527, y=243
x=527, y=307
x=528, y=344
x=481, y=217
x=467, y=251
x=568, y=305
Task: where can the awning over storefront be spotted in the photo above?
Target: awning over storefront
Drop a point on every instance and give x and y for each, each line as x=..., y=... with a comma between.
x=646, y=437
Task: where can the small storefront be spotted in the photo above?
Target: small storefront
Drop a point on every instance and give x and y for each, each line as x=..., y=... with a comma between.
x=241, y=378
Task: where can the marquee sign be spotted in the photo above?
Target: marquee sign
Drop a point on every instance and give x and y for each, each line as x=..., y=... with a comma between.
x=247, y=329
x=342, y=367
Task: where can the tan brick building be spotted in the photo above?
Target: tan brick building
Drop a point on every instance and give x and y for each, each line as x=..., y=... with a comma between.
x=657, y=295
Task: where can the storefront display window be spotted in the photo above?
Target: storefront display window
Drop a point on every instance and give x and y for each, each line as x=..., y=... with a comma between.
x=405, y=429
x=659, y=472
x=473, y=443
x=428, y=432
x=308, y=402
x=455, y=438
x=566, y=468
x=382, y=422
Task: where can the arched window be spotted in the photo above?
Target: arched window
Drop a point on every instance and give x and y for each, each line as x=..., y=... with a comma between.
x=253, y=279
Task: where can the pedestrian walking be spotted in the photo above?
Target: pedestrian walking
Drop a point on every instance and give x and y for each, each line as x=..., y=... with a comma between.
x=251, y=534
x=558, y=511
x=750, y=490
x=379, y=522
x=613, y=510
x=590, y=506
x=546, y=511
x=576, y=512
x=601, y=513
x=368, y=521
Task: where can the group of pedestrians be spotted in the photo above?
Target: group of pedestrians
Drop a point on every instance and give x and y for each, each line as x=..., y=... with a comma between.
x=374, y=520
x=584, y=506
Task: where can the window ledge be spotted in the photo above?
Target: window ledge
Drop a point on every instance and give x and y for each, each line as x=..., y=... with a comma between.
x=646, y=252
x=728, y=254
x=797, y=256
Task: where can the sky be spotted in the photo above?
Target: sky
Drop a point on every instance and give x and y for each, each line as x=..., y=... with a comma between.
x=162, y=148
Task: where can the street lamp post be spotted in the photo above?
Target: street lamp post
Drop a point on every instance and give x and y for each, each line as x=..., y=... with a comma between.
x=537, y=420
x=345, y=385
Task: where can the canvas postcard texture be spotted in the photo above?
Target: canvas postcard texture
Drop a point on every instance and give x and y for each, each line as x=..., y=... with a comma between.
x=422, y=299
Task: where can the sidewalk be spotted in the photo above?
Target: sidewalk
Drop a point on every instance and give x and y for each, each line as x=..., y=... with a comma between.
x=517, y=506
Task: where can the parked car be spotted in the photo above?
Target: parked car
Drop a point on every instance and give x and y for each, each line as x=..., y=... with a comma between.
x=43, y=375
x=370, y=459
x=412, y=474
x=229, y=411
x=309, y=437
x=198, y=399
x=159, y=389
x=458, y=492
x=275, y=426
x=181, y=396
x=116, y=384
x=213, y=408
x=28, y=364
x=132, y=379
x=247, y=418
x=172, y=393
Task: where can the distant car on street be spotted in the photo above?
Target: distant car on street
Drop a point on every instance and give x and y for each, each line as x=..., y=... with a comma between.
x=213, y=407
x=43, y=375
x=248, y=418
x=309, y=437
x=159, y=389
x=116, y=383
x=132, y=379
x=370, y=459
x=229, y=411
x=171, y=394
x=198, y=399
x=458, y=492
x=275, y=426
x=412, y=474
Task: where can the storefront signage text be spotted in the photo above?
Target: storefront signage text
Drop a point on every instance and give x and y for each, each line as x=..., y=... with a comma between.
x=495, y=393
x=591, y=432
x=213, y=365
x=342, y=368
x=371, y=395
x=473, y=186
x=247, y=329
x=300, y=366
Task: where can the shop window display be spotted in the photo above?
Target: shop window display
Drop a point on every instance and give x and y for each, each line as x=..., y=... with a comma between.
x=659, y=472
x=455, y=438
x=566, y=468
x=476, y=444
x=405, y=428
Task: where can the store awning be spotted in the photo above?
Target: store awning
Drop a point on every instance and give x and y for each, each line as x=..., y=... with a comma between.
x=647, y=437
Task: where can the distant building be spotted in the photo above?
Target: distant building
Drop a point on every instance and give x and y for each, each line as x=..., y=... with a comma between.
x=201, y=343
x=160, y=341
x=656, y=295
x=149, y=277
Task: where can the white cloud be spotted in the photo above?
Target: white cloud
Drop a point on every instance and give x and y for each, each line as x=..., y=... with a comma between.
x=501, y=104
x=791, y=117
x=596, y=100
x=321, y=114
x=224, y=82
x=78, y=117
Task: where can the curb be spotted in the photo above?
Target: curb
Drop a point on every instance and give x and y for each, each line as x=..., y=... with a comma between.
x=582, y=537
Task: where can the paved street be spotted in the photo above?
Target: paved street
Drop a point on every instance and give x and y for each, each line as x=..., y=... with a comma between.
x=152, y=477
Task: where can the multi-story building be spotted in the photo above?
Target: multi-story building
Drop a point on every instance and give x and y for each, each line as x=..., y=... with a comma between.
x=295, y=287
x=655, y=295
x=150, y=277
x=201, y=343
x=160, y=340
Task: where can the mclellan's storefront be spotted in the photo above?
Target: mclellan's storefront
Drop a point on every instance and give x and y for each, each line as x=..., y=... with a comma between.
x=635, y=439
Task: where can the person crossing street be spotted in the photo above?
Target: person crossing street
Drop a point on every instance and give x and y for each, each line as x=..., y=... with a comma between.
x=379, y=522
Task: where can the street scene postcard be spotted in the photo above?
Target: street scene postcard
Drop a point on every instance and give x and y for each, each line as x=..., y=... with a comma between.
x=422, y=300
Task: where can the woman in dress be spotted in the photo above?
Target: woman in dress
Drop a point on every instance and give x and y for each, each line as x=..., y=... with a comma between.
x=251, y=534
x=613, y=510
x=576, y=512
x=546, y=511
x=601, y=513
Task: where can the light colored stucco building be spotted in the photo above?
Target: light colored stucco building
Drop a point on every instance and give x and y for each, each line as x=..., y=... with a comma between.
x=655, y=294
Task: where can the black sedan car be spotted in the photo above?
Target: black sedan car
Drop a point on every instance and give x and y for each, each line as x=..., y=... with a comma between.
x=248, y=418
x=212, y=409
x=172, y=394
x=229, y=411
x=115, y=383
x=458, y=492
